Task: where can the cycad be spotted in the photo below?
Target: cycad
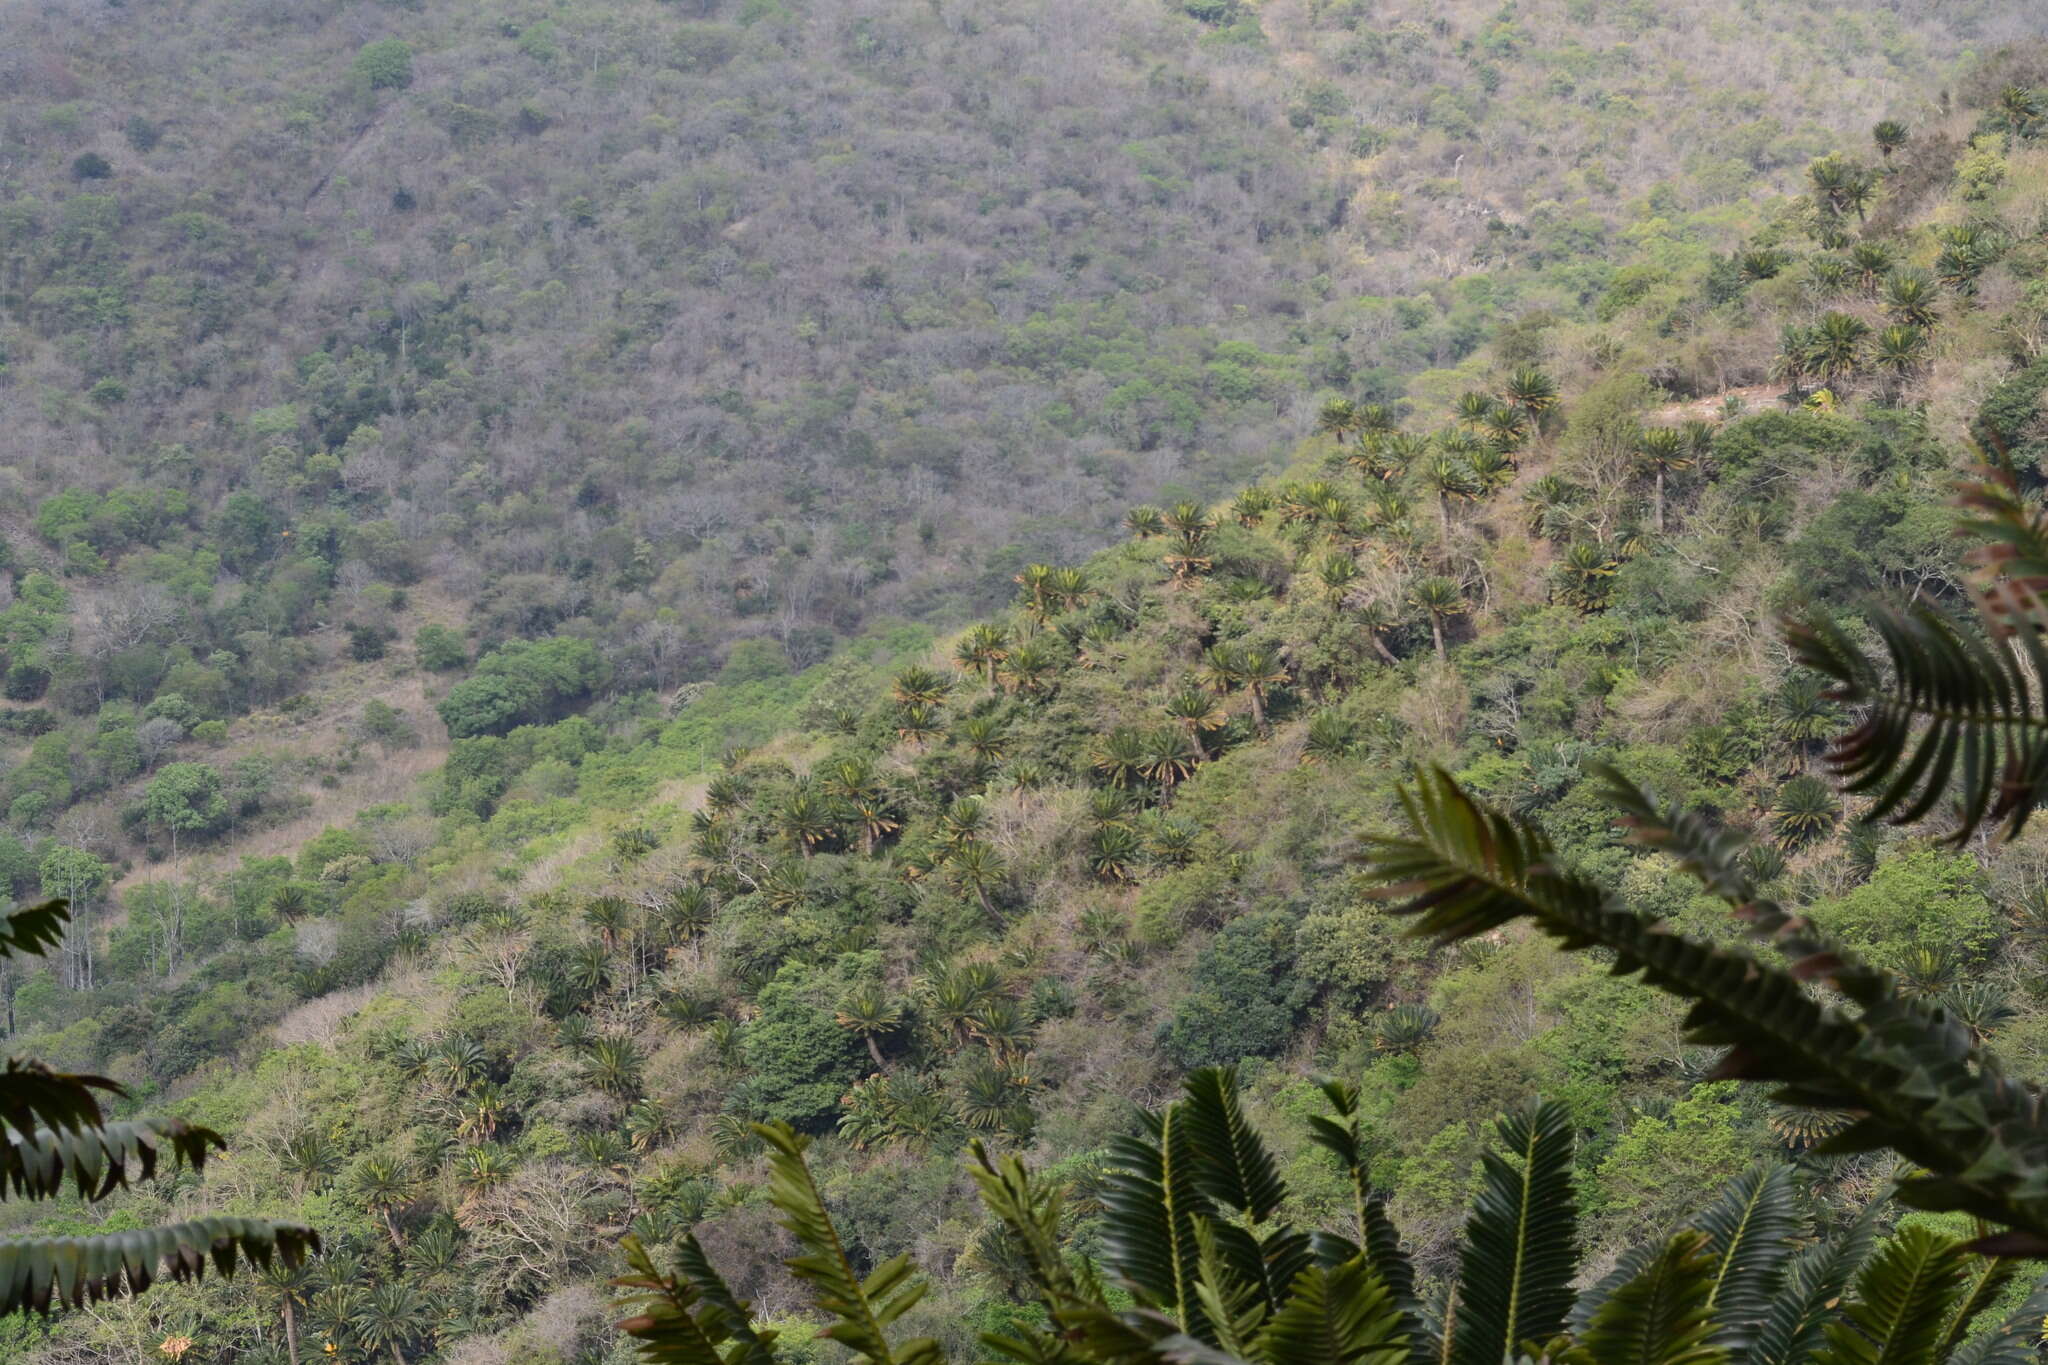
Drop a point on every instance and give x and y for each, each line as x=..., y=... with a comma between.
x=59, y=1135
x=1192, y=1233
x=1440, y=599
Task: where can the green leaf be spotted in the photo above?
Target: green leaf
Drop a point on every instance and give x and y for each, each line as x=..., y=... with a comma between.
x=1662, y=1315
x=34, y=1271
x=2015, y=1340
x=1920, y=1083
x=1151, y=1201
x=1813, y=1286
x=1337, y=1315
x=1749, y=1227
x=1902, y=1302
x=33, y=1097
x=98, y=1161
x=1516, y=1266
x=1235, y=1170
x=663, y=1326
x=1950, y=709
x=34, y=930
x=861, y=1309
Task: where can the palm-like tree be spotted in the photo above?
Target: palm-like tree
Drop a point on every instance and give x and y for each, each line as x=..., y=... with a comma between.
x=1144, y=522
x=1258, y=671
x=918, y=725
x=1440, y=599
x=1338, y=417
x=686, y=912
x=1551, y=501
x=608, y=915
x=1897, y=353
x=1337, y=573
x=1113, y=852
x=868, y=1013
x=1331, y=735
x=808, y=817
x=1804, y=810
x=981, y=650
x=1251, y=506
x=1196, y=712
x=1761, y=263
x=1170, y=758
x=1119, y=756
x=613, y=1065
x=2021, y=109
x=1491, y=469
x=1660, y=450
x=1447, y=477
x=1889, y=135
x=1835, y=346
x=288, y=1282
x=920, y=686
x=291, y=903
x=1910, y=296
x=1588, y=572
x=1530, y=390
x=984, y=737
x=391, y=1317
x=1036, y=580
x=1030, y=667
x=1871, y=263
x=977, y=866
x=384, y=1184
x=1195, y=1234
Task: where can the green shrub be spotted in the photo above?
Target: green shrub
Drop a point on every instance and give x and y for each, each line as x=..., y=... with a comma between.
x=383, y=65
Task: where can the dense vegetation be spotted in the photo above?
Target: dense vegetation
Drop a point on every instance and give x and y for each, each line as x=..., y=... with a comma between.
x=459, y=669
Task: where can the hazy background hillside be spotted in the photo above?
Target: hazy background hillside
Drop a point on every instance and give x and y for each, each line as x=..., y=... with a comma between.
x=579, y=575
x=775, y=315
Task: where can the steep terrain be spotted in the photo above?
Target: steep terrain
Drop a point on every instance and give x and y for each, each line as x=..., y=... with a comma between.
x=483, y=928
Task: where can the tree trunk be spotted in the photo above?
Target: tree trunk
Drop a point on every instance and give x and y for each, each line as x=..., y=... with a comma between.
x=1436, y=630
x=391, y=1226
x=875, y=1051
x=1659, y=503
x=981, y=894
x=1380, y=647
x=291, y=1331
x=1195, y=736
x=1258, y=710
x=1443, y=514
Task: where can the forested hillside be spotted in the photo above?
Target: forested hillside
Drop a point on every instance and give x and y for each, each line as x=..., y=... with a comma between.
x=499, y=505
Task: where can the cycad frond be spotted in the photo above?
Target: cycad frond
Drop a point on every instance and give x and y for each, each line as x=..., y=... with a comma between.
x=1812, y=1288
x=1749, y=1230
x=34, y=1098
x=34, y=930
x=2015, y=1340
x=1337, y=1315
x=34, y=1271
x=1948, y=705
x=1237, y=1171
x=1342, y=1138
x=1903, y=1297
x=1515, y=1273
x=1925, y=1089
x=1662, y=1315
x=98, y=1161
x=861, y=1309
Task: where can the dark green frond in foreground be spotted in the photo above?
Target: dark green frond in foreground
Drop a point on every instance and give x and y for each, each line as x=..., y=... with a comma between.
x=98, y=1161
x=1920, y=1084
x=1662, y=1315
x=1515, y=1276
x=34, y=1272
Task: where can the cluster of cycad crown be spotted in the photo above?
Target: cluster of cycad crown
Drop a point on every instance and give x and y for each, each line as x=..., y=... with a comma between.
x=1954, y=718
